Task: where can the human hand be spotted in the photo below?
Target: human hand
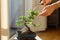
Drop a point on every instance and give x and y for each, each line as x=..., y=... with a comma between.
x=47, y=10
x=45, y=2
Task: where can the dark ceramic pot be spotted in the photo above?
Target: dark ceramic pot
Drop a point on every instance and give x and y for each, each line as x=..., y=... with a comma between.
x=26, y=36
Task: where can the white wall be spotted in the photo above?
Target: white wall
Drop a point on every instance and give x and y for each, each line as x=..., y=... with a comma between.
x=28, y=5
x=16, y=8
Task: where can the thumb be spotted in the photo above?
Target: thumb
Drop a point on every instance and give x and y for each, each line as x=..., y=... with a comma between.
x=43, y=13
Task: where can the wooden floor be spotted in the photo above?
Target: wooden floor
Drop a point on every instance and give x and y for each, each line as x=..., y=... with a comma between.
x=50, y=34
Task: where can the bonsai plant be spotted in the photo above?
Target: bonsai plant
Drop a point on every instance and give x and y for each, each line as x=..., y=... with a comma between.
x=27, y=20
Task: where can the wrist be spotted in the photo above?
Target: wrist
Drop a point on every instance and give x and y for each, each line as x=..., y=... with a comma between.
x=56, y=5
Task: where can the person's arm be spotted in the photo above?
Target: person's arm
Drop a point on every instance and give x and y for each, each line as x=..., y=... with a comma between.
x=49, y=9
x=56, y=5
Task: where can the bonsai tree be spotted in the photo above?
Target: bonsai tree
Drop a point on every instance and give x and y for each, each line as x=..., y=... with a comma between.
x=27, y=20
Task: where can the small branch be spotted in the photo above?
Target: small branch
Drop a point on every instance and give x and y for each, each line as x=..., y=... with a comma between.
x=33, y=24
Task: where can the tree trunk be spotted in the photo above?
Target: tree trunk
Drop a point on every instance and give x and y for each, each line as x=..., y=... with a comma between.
x=28, y=28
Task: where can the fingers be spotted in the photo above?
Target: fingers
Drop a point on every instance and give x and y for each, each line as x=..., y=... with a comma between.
x=43, y=13
x=46, y=7
x=45, y=2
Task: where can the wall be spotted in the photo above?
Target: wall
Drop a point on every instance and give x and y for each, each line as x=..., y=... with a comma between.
x=0, y=19
x=28, y=5
x=16, y=8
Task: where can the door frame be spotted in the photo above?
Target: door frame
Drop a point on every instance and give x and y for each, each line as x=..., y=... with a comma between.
x=4, y=20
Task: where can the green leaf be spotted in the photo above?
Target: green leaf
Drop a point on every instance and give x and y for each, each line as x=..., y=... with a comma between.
x=38, y=25
x=22, y=17
x=35, y=13
x=28, y=23
x=18, y=23
x=30, y=10
x=31, y=17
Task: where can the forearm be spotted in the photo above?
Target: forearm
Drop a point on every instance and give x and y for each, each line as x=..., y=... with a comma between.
x=56, y=4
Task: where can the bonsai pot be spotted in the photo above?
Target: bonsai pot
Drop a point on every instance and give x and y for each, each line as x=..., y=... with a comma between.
x=26, y=36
